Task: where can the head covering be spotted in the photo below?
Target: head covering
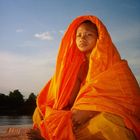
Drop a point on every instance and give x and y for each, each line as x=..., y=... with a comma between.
x=69, y=60
x=110, y=85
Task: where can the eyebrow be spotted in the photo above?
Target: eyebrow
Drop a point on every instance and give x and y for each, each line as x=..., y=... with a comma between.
x=91, y=31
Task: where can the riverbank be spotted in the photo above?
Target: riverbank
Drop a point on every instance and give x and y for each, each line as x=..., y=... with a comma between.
x=15, y=120
x=4, y=128
x=14, y=132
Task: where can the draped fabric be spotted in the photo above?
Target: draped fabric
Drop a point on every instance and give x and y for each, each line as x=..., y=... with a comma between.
x=110, y=86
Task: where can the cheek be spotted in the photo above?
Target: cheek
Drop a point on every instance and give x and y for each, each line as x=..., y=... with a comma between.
x=93, y=42
x=77, y=41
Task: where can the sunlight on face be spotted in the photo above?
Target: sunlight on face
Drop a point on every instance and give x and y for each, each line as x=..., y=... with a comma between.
x=86, y=37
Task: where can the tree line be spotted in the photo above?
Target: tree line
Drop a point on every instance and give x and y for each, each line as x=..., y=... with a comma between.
x=15, y=104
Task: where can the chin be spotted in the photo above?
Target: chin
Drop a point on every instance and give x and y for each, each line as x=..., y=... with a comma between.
x=84, y=50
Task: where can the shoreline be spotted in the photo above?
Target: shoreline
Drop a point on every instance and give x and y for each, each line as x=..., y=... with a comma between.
x=3, y=128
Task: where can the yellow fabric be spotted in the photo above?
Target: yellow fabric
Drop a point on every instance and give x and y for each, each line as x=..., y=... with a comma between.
x=110, y=86
x=104, y=126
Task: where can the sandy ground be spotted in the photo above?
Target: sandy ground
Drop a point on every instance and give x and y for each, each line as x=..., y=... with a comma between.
x=4, y=128
x=14, y=132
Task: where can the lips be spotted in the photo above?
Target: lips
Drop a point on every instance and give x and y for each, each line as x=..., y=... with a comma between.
x=82, y=44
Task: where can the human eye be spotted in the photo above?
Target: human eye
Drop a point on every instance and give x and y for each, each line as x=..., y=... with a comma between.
x=89, y=34
x=78, y=35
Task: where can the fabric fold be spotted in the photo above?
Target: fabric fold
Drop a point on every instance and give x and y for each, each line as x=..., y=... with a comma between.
x=110, y=85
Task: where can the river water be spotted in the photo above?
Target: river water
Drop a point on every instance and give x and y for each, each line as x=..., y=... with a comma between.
x=15, y=120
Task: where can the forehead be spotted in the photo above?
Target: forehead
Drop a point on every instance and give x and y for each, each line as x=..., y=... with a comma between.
x=87, y=27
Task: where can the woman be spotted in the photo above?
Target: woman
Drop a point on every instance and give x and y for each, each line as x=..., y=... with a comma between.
x=93, y=93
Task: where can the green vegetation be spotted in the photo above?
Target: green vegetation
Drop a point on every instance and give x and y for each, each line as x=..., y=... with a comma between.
x=15, y=104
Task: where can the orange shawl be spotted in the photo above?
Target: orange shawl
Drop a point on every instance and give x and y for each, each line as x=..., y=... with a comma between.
x=110, y=85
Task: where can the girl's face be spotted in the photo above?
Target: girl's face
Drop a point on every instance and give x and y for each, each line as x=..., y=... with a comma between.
x=86, y=37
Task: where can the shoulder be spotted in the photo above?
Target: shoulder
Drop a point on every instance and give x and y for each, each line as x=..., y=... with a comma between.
x=83, y=71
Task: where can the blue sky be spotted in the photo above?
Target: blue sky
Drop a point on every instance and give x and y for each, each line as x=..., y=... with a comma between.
x=31, y=31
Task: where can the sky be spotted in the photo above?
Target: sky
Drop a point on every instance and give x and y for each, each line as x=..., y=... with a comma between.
x=31, y=31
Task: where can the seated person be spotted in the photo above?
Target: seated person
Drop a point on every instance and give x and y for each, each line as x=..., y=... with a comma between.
x=92, y=94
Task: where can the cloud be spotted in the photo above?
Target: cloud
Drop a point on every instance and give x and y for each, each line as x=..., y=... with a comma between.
x=44, y=36
x=19, y=30
x=126, y=32
x=126, y=38
x=129, y=6
x=26, y=73
x=61, y=32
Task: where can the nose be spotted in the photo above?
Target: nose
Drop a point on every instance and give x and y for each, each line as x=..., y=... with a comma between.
x=83, y=36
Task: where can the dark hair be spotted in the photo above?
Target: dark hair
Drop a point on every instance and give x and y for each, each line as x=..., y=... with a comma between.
x=90, y=23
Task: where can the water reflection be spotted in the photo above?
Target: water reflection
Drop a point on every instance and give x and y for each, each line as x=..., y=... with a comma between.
x=15, y=120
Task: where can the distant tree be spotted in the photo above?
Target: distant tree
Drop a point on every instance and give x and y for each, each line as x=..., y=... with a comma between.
x=30, y=104
x=16, y=99
x=4, y=106
x=32, y=98
x=3, y=99
x=14, y=104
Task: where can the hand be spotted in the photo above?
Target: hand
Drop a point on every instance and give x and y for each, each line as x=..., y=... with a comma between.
x=34, y=134
x=79, y=117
